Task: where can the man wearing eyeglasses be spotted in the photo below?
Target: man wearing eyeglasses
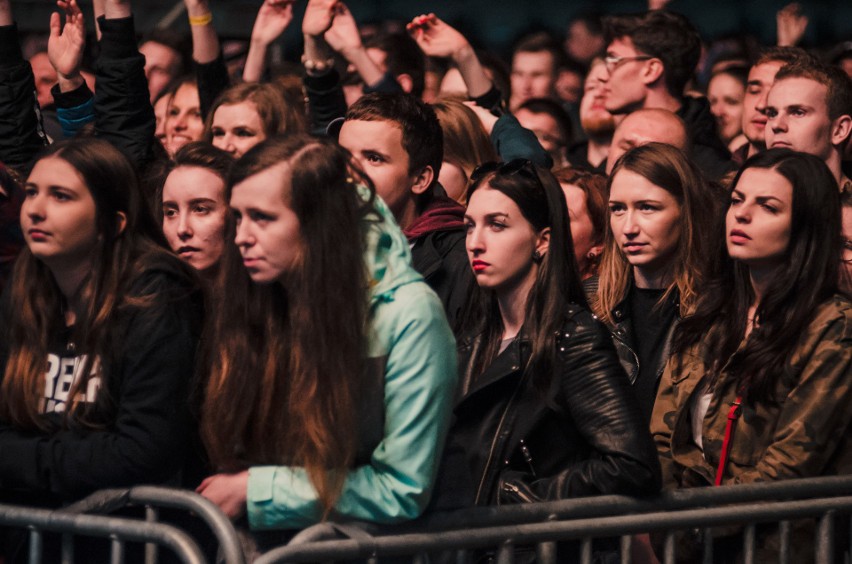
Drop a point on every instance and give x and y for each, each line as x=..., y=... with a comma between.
x=649, y=60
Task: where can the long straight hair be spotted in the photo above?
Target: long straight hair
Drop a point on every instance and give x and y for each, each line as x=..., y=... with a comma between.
x=286, y=362
x=669, y=168
x=120, y=258
x=807, y=277
x=542, y=203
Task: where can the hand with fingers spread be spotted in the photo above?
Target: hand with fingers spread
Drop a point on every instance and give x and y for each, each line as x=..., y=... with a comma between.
x=272, y=20
x=792, y=24
x=6, y=12
x=435, y=37
x=66, y=43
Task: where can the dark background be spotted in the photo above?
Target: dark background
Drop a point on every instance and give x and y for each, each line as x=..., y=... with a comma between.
x=493, y=24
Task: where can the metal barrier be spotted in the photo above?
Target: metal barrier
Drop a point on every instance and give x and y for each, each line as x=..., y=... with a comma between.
x=118, y=529
x=154, y=498
x=502, y=529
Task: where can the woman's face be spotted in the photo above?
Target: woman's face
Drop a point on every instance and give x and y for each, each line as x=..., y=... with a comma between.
x=268, y=230
x=759, y=219
x=194, y=211
x=237, y=128
x=183, y=122
x=645, y=221
x=454, y=180
x=501, y=242
x=726, y=104
x=58, y=215
x=161, y=112
x=582, y=228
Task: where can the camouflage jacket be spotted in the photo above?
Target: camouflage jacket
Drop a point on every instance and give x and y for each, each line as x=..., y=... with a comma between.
x=805, y=433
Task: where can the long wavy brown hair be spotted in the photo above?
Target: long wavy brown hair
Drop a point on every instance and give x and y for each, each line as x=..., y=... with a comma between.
x=286, y=361
x=700, y=216
x=121, y=258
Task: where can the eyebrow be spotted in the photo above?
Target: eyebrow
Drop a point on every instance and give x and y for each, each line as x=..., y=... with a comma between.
x=493, y=215
x=759, y=199
x=51, y=187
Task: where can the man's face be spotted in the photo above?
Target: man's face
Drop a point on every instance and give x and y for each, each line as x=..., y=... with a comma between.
x=533, y=76
x=596, y=121
x=546, y=129
x=161, y=63
x=377, y=147
x=45, y=78
x=625, y=89
x=797, y=111
x=760, y=79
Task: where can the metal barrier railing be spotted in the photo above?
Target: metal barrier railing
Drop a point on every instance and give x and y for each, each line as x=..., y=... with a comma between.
x=118, y=529
x=153, y=498
x=503, y=528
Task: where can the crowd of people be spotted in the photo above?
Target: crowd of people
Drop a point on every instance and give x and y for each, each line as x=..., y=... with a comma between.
x=401, y=277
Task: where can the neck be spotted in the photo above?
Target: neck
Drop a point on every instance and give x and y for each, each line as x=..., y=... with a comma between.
x=513, y=305
x=755, y=148
x=406, y=215
x=760, y=278
x=598, y=150
x=70, y=280
x=835, y=164
x=651, y=279
x=662, y=99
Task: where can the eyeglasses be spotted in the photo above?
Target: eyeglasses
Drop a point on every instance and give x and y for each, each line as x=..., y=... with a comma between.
x=611, y=63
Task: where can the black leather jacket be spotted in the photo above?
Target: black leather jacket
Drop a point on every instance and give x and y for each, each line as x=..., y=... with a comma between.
x=584, y=436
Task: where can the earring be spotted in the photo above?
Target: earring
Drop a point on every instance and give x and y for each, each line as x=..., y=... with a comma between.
x=592, y=255
x=536, y=256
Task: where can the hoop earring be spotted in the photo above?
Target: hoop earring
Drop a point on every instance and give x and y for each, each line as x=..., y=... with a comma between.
x=537, y=257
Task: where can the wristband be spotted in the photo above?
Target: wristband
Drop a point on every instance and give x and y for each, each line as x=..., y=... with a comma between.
x=201, y=20
x=317, y=66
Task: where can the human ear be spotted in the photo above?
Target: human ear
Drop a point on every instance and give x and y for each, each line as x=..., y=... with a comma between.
x=840, y=129
x=423, y=180
x=542, y=243
x=405, y=82
x=121, y=219
x=653, y=71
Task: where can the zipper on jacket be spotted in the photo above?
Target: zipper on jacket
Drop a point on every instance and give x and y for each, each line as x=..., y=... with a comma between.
x=633, y=377
x=494, y=440
x=517, y=491
x=528, y=457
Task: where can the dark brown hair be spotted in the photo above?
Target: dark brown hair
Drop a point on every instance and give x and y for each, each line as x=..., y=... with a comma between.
x=285, y=362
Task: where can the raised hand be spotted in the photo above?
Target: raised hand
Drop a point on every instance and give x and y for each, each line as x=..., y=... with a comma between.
x=6, y=12
x=792, y=24
x=319, y=15
x=435, y=37
x=66, y=43
x=272, y=20
x=343, y=36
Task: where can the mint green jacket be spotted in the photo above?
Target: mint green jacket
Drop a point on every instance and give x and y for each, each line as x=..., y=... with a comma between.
x=413, y=353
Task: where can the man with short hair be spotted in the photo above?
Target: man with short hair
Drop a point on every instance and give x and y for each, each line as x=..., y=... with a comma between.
x=647, y=126
x=760, y=79
x=809, y=109
x=551, y=124
x=398, y=142
x=650, y=58
x=535, y=63
x=597, y=123
x=163, y=60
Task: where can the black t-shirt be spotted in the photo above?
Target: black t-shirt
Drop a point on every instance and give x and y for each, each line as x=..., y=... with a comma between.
x=650, y=325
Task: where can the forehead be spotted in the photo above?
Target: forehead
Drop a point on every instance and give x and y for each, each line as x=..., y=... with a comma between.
x=381, y=135
x=191, y=183
x=799, y=91
x=186, y=96
x=764, y=73
x=59, y=172
x=244, y=112
x=622, y=46
x=627, y=185
x=533, y=60
x=725, y=83
x=765, y=182
x=486, y=200
x=157, y=53
x=541, y=121
x=266, y=189
x=645, y=129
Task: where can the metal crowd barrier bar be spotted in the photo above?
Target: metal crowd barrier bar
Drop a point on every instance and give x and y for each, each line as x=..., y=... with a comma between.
x=156, y=497
x=119, y=529
x=504, y=538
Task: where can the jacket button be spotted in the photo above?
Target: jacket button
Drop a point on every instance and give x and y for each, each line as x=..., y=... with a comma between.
x=516, y=367
x=506, y=462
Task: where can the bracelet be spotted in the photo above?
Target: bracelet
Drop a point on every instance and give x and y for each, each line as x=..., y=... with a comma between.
x=201, y=20
x=317, y=66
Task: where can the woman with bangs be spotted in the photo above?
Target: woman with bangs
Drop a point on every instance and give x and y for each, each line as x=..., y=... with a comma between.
x=657, y=252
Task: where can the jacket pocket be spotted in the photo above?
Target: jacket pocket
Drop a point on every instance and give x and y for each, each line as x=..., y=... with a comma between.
x=514, y=490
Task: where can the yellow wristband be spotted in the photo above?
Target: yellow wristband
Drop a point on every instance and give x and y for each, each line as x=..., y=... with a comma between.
x=201, y=20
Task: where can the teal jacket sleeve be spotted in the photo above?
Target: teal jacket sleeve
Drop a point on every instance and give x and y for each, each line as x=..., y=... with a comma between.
x=513, y=141
x=420, y=379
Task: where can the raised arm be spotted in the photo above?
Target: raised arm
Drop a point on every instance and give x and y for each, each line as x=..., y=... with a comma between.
x=345, y=38
x=438, y=39
x=74, y=101
x=322, y=83
x=21, y=131
x=272, y=20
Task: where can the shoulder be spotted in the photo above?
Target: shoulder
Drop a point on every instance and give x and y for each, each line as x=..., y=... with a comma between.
x=581, y=326
x=832, y=321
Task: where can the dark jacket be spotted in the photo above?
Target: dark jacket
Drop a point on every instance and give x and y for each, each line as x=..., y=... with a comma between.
x=584, y=436
x=438, y=253
x=707, y=150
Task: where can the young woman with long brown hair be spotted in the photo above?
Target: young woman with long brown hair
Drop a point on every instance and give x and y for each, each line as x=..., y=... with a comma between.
x=332, y=365
x=656, y=254
x=100, y=325
x=769, y=346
